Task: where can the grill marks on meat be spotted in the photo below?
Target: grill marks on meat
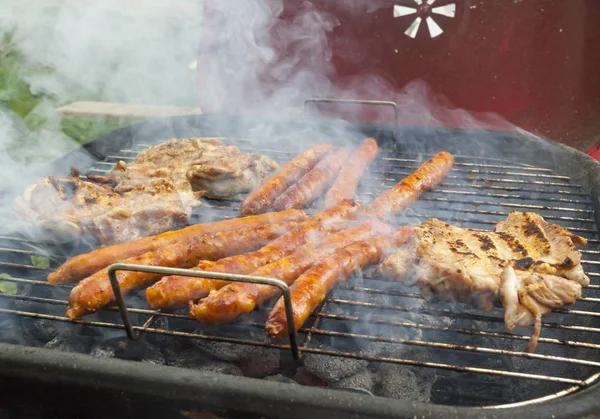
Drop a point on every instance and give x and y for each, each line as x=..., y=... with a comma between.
x=95, y=292
x=532, y=263
x=174, y=291
x=195, y=164
x=346, y=183
x=236, y=299
x=261, y=199
x=154, y=193
x=313, y=183
x=72, y=208
x=84, y=265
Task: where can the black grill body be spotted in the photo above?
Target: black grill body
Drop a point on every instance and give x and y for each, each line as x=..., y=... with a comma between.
x=479, y=365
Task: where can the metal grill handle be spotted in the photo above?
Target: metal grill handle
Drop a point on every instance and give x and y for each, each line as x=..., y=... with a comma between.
x=361, y=102
x=131, y=333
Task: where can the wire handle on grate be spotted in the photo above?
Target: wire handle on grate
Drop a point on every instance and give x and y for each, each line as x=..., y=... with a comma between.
x=361, y=102
x=285, y=290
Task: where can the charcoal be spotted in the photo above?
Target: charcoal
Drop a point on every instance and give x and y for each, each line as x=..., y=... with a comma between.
x=235, y=352
x=401, y=382
x=280, y=379
x=10, y=332
x=333, y=368
x=70, y=342
x=222, y=368
x=190, y=358
x=307, y=378
x=262, y=364
x=364, y=379
x=124, y=348
x=38, y=332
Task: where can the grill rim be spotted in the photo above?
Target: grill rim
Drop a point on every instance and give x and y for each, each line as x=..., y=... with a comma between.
x=251, y=395
x=580, y=167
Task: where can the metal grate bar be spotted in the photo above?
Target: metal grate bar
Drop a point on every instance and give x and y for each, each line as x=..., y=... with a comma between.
x=478, y=182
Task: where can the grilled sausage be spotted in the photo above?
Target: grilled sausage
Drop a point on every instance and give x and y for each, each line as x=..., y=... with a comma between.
x=82, y=266
x=173, y=291
x=230, y=302
x=346, y=182
x=95, y=292
x=311, y=288
x=408, y=190
x=261, y=199
x=313, y=183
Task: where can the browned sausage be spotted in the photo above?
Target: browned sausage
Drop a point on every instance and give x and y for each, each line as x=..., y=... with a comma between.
x=82, y=266
x=174, y=291
x=311, y=288
x=261, y=199
x=346, y=182
x=95, y=292
x=408, y=190
x=230, y=302
x=312, y=184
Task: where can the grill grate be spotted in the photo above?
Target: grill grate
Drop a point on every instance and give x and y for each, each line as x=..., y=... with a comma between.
x=378, y=320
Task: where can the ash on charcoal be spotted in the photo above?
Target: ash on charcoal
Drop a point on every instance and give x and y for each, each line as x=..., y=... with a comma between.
x=189, y=358
x=333, y=368
x=401, y=382
x=235, y=352
x=9, y=332
x=263, y=363
x=70, y=342
x=307, y=378
x=124, y=348
x=37, y=332
x=364, y=379
x=280, y=379
x=222, y=368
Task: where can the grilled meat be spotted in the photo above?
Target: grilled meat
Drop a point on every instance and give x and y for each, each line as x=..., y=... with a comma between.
x=234, y=300
x=527, y=296
x=71, y=208
x=154, y=193
x=409, y=189
x=347, y=181
x=470, y=266
x=195, y=164
x=84, y=265
x=261, y=199
x=174, y=291
x=95, y=292
x=311, y=288
x=312, y=184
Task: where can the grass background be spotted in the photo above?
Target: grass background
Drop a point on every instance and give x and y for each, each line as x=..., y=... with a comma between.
x=17, y=97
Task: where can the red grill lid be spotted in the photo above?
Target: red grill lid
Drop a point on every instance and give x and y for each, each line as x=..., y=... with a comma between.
x=534, y=63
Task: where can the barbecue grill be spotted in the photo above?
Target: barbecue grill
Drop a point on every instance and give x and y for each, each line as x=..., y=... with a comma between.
x=465, y=359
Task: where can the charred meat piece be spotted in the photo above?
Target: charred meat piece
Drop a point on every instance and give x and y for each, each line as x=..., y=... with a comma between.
x=346, y=183
x=195, y=164
x=261, y=199
x=154, y=193
x=174, y=291
x=71, y=208
x=409, y=189
x=84, y=265
x=471, y=266
x=527, y=296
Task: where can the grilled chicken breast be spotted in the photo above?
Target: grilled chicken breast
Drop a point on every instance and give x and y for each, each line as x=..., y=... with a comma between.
x=532, y=264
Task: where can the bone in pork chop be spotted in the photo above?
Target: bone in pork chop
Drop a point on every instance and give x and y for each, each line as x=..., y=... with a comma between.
x=533, y=264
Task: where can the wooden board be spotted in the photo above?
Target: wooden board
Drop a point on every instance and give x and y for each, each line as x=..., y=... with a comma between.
x=123, y=110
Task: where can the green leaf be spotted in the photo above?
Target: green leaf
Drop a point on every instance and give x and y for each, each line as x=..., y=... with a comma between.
x=7, y=287
x=40, y=261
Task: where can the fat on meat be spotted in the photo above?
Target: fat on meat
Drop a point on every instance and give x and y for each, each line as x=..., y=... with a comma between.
x=533, y=265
